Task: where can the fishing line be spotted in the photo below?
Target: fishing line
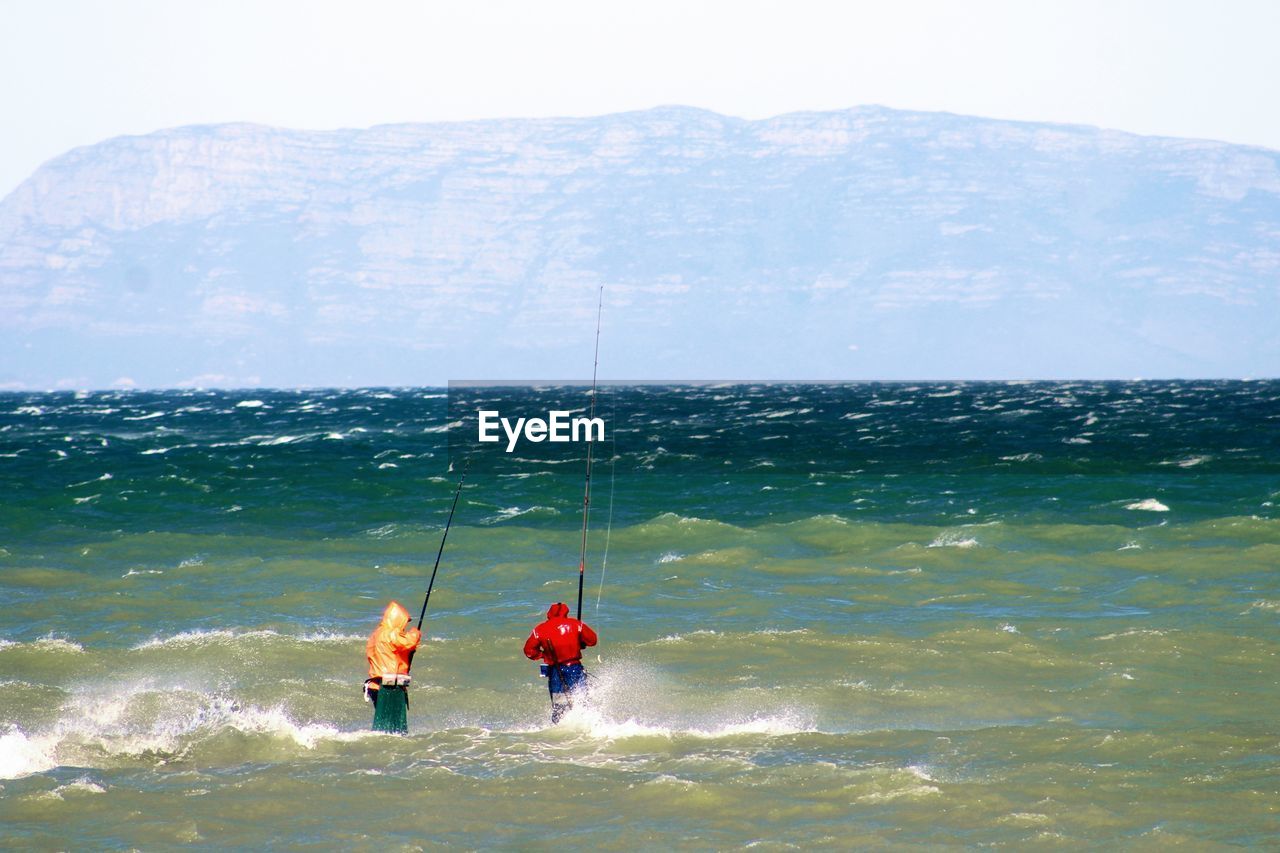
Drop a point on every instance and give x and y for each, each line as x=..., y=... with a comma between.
x=586, y=488
x=613, y=479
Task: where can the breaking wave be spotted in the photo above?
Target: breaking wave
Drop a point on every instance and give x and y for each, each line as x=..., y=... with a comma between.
x=145, y=722
x=225, y=635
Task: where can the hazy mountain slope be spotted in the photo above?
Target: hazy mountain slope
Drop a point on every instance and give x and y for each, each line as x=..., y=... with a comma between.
x=864, y=243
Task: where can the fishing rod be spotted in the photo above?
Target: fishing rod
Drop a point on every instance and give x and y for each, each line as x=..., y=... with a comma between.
x=586, y=488
x=456, y=494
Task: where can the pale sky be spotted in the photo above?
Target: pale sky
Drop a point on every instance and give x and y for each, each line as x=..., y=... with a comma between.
x=74, y=73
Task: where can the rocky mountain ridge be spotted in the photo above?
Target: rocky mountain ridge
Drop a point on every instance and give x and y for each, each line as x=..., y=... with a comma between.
x=866, y=243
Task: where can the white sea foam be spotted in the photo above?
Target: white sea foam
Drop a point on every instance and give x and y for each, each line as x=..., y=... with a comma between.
x=1263, y=604
x=597, y=724
x=670, y=557
x=1147, y=505
x=219, y=636
x=21, y=755
x=101, y=479
x=82, y=785
x=1134, y=632
x=121, y=722
x=327, y=636
x=952, y=539
x=187, y=638
x=250, y=404
x=1025, y=819
x=921, y=772
x=782, y=413
x=680, y=638
x=909, y=791
x=510, y=512
x=439, y=428
x=915, y=784
x=668, y=779
x=619, y=706
x=276, y=721
x=1188, y=462
x=47, y=643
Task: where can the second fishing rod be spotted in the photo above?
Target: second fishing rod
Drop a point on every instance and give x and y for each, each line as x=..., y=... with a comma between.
x=457, y=493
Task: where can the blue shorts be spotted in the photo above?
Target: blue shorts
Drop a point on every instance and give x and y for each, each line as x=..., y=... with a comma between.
x=565, y=678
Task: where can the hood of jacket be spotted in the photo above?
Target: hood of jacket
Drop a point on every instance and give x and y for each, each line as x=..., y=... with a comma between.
x=559, y=610
x=395, y=616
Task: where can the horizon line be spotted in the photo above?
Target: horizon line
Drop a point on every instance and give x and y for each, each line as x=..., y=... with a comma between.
x=620, y=383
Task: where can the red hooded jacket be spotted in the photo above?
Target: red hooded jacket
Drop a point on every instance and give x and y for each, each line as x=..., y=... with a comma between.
x=560, y=639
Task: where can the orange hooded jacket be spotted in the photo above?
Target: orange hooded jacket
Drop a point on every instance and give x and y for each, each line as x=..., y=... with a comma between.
x=390, y=644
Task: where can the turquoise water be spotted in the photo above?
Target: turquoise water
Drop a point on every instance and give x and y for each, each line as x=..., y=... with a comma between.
x=1037, y=614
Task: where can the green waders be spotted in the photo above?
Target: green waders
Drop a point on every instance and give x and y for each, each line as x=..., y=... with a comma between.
x=391, y=709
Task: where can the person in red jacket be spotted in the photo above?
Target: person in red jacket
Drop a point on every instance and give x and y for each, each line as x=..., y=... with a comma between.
x=559, y=642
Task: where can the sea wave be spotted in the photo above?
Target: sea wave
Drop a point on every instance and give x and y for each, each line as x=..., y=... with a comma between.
x=45, y=644
x=510, y=512
x=96, y=729
x=22, y=755
x=597, y=725
x=953, y=539
x=222, y=636
x=1263, y=604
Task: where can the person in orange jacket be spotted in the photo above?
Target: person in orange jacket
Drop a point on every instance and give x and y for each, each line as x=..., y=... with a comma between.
x=390, y=649
x=559, y=641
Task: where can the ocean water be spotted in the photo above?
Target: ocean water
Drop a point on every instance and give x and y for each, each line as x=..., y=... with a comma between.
x=869, y=615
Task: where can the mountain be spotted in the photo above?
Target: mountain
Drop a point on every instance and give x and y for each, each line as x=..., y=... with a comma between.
x=867, y=243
